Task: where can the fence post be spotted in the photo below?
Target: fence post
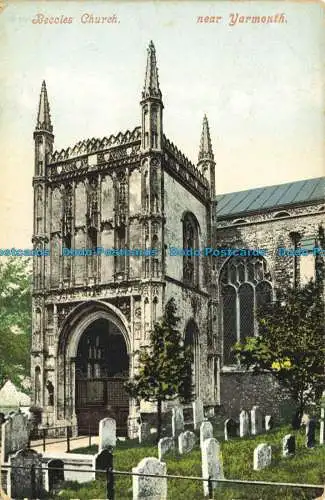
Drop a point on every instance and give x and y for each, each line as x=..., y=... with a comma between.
x=89, y=435
x=44, y=442
x=110, y=477
x=210, y=487
x=32, y=481
x=68, y=438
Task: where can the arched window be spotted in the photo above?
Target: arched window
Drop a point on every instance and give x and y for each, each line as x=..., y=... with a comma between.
x=190, y=241
x=245, y=286
x=191, y=342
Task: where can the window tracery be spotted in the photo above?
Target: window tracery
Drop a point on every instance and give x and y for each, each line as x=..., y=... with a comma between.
x=190, y=241
x=245, y=286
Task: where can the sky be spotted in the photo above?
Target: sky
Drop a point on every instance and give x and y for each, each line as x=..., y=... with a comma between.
x=261, y=86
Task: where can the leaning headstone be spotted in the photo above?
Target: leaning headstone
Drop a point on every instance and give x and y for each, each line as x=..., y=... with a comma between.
x=186, y=442
x=262, y=456
x=310, y=433
x=177, y=421
x=14, y=434
x=211, y=463
x=107, y=433
x=206, y=431
x=256, y=421
x=269, y=423
x=230, y=429
x=146, y=487
x=101, y=461
x=288, y=445
x=21, y=483
x=144, y=432
x=54, y=475
x=243, y=423
x=164, y=445
x=198, y=413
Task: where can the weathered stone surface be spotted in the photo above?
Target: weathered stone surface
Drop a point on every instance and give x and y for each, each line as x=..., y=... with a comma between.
x=107, y=433
x=262, y=456
x=198, y=413
x=164, y=445
x=150, y=488
x=322, y=427
x=206, y=431
x=211, y=462
x=77, y=466
x=256, y=421
x=54, y=474
x=14, y=434
x=186, y=442
x=143, y=432
x=288, y=445
x=243, y=423
x=269, y=422
x=230, y=429
x=311, y=433
x=177, y=421
x=20, y=480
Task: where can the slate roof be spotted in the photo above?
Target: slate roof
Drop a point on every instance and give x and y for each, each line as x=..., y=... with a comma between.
x=270, y=197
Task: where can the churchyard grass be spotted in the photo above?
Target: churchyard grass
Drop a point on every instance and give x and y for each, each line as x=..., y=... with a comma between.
x=307, y=466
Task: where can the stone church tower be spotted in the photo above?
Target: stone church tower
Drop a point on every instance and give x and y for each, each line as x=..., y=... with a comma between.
x=134, y=190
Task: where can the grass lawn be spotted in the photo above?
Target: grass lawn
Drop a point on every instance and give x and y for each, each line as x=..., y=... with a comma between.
x=307, y=466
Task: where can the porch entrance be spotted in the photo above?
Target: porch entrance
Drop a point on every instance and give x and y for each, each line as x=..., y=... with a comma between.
x=102, y=367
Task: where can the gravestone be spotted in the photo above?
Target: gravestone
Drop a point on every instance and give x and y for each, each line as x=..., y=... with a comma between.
x=177, y=421
x=186, y=442
x=322, y=420
x=14, y=434
x=21, y=483
x=206, y=431
x=256, y=421
x=107, y=433
x=243, y=423
x=54, y=474
x=164, y=445
x=296, y=420
x=288, y=445
x=150, y=488
x=101, y=461
x=230, y=429
x=211, y=462
x=143, y=432
x=269, y=422
x=310, y=433
x=198, y=413
x=262, y=456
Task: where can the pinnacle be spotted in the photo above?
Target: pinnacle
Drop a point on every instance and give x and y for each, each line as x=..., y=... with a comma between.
x=44, y=117
x=151, y=83
x=205, y=152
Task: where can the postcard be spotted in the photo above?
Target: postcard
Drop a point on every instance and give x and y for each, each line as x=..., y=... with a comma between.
x=162, y=248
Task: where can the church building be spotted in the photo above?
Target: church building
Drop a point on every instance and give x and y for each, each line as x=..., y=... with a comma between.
x=137, y=190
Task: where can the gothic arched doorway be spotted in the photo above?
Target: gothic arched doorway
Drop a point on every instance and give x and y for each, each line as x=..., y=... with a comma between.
x=102, y=367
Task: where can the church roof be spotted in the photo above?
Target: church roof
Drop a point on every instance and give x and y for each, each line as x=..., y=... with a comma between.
x=270, y=197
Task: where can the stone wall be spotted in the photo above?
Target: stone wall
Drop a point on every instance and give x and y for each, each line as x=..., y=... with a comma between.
x=243, y=390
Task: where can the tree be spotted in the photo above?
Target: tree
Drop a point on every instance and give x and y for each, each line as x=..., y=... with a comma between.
x=164, y=370
x=15, y=320
x=291, y=342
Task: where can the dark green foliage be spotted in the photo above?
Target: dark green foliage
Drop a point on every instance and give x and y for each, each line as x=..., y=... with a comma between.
x=291, y=342
x=164, y=366
x=15, y=319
